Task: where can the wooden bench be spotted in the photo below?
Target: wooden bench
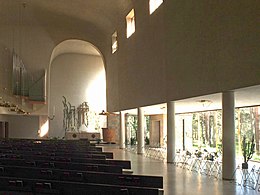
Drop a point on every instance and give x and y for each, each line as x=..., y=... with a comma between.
x=51, y=148
x=108, y=155
x=82, y=176
x=63, y=165
x=125, y=164
x=41, y=186
x=63, y=168
x=65, y=155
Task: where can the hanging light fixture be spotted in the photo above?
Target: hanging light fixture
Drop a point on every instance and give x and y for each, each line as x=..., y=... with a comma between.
x=205, y=103
x=106, y=113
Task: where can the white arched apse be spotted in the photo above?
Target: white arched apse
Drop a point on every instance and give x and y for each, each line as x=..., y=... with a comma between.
x=76, y=72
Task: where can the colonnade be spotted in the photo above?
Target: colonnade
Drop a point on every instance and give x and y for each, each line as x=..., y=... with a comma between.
x=228, y=135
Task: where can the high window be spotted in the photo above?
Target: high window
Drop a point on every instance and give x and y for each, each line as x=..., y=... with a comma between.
x=114, y=42
x=154, y=4
x=130, y=21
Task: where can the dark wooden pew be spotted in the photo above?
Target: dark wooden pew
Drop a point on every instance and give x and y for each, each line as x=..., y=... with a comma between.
x=65, y=155
x=125, y=164
x=61, y=144
x=41, y=186
x=63, y=165
x=108, y=155
x=50, y=148
x=82, y=142
x=81, y=176
x=62, y=168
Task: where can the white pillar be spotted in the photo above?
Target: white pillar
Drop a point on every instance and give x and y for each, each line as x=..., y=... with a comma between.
x=140, y=132
x=170, y=131
x=122, y=130
x=228, y=135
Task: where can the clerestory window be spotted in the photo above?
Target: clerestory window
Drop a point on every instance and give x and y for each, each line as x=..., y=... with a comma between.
x=130, y=21
x=154, y=4
x=114, y=42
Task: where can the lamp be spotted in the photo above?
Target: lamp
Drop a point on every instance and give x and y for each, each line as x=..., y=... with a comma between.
x=106, y=113
x=205, y=103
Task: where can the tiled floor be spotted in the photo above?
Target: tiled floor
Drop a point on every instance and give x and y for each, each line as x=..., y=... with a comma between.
x=179, y=181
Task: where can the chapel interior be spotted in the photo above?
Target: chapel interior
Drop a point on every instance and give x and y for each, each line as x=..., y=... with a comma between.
x=129, y=97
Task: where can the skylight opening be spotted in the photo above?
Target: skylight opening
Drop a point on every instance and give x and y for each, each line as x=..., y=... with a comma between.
x=154, y=4
x=130, y=21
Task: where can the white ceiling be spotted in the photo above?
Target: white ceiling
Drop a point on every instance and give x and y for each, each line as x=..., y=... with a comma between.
x=244, y=97
x=102, y=14
x=74, y=46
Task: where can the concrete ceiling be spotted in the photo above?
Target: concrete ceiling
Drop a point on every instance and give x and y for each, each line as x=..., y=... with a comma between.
x=244, y=97
x=103, y=14
x=90, y=16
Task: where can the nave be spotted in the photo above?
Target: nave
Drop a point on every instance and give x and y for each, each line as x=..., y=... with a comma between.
x=64, y=167
x=177, y=180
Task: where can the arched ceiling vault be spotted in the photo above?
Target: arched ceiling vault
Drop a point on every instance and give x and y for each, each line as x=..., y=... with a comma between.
x=74, y=46
x=93, y=18
x=104, y=14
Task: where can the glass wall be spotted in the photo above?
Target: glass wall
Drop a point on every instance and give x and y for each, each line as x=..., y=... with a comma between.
x=206, y=131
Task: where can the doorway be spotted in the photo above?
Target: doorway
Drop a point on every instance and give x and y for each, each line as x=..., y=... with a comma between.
x=156, y=133
x=4, y=130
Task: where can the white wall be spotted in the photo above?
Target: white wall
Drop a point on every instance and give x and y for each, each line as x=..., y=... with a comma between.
x=184, y=49
x=22, y=126
x=80, y=78
x=3, y=117
x=211, y=47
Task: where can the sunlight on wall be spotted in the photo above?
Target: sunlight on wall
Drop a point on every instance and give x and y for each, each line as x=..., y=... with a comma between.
x=44, y=129
x=96, y=97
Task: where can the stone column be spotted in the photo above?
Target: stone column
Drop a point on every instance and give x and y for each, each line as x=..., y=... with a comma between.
x=170, y=131
x=228, y=135
x=122, y=130
x=140, y=132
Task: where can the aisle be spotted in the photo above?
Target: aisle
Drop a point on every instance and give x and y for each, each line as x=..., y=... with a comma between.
x=177, y=180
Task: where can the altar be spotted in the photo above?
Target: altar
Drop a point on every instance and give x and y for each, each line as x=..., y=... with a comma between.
x=72, y=135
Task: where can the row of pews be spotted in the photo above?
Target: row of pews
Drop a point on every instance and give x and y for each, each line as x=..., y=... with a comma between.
x=68, y=167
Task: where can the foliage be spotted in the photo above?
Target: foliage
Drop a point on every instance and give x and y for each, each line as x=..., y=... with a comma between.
x=207, y=129
x=246, y=122
x=147, y=128
x=133, y=141
x=132, y=125
x=248, y=148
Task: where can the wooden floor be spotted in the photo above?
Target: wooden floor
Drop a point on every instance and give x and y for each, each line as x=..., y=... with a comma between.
x=177, y=180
